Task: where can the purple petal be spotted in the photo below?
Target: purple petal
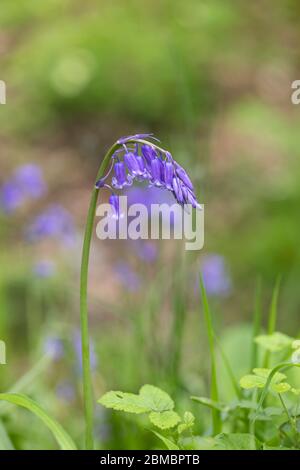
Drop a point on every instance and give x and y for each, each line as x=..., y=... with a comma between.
x=184, y=176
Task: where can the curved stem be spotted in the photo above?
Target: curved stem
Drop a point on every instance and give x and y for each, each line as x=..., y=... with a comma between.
x=86, y=369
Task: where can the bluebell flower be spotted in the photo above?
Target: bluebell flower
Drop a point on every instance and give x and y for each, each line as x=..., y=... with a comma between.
x=127, y=276
x=146, y=162
x=54, y=222
x=145, y=250
x=215, y=275
x=30, y=179
x=54, y=346
x=26, y=183
x=44, y=268
x=11, y=197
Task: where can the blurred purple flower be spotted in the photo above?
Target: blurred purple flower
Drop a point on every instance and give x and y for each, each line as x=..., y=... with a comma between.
x=145, y=250
x=215, y=275
x=44, y=268
x=78, y=350
x=11, y=197
x=65, y=390
x=54, y=346
x=54, y=222
x=30, y=179
x=26, y=183
x=127, y=276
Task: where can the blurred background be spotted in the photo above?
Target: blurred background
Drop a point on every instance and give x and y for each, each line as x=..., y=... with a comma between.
x=212, y=80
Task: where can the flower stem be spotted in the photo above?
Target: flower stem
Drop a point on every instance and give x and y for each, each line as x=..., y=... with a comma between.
x=85, y=341
x=86, y=368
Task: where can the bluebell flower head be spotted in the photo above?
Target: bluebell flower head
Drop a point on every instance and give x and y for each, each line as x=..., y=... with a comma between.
x=138, y=159
x=26, y=183
x=55, y=222
x=127, y=276
x=215, y=275
x=54, y=347
x=30, y=179
x=145, y=250
x=44, y=268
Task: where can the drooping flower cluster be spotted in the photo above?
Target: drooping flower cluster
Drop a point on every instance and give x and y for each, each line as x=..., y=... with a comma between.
x=146, y=162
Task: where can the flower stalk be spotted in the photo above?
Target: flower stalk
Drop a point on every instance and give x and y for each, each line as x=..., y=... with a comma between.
x=158, y=173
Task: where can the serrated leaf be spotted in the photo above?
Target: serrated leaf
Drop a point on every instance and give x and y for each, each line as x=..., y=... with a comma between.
x=155, y=399
x=188, y=422
x=170, y=445
x=261, y=372
x=165, y=419
x=283, y=387
x=236, y=441
x=252, y=381
x=120, y=401
x=275, y=342
x=259, y=378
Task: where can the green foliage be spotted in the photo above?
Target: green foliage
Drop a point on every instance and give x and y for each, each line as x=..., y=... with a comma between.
x=152, y=400
x=274, y=342
x=259, y=379
x=236, y=441
x=63, y=439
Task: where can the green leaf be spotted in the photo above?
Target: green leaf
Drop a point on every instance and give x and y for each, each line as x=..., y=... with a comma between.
x=275, y=342
x=259, y=378
x=120, y=401
x=155, y=399
x=278, y=377
x=283, y=387
x=296, y=344
x=149, y=399
x=188, y=422
x=252, y=381
x=236, y=442
x=164, y=419
x=170, y=445
x=63, y=439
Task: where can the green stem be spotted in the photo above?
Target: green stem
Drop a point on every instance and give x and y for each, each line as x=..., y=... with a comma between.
x=214, y=395
x=290, y=419
x=86, y=369
x=256, y=323
x=272, y=317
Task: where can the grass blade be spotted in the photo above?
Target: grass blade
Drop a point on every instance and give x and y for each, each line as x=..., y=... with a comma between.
x=272, y=317
x=229, y=370
x=257, y=320
x=5, y=442
x=214, y=395
x=63, y=439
